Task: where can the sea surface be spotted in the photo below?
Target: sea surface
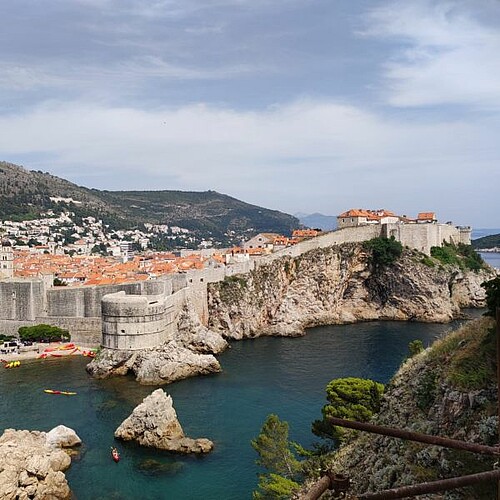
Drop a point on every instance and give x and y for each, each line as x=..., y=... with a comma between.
x=491, y=258
x=285, y=376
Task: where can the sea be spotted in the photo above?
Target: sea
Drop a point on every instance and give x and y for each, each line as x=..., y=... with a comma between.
x=284, y=376
x=491, y=258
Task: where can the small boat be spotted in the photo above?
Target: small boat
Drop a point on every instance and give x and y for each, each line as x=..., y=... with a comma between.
x=115, y=454
x=64, y=393
x=12, y=364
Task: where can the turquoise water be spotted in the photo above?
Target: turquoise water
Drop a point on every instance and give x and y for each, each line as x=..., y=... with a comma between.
x=261, y=376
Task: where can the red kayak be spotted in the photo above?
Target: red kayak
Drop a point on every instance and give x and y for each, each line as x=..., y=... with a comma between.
x=115, y=454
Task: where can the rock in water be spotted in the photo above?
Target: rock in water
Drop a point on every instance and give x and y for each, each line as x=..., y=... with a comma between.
x=32, y=464
x=63, y=437
x=154, y=423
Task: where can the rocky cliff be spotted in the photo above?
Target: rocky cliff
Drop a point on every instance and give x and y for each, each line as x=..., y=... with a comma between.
x=340, y=285
x=448, y=390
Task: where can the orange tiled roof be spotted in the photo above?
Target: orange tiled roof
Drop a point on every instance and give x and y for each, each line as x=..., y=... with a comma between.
x=426, y=216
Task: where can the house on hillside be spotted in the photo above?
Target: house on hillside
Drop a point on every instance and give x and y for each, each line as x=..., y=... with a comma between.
x=262, y=240
x=426, y=218
x=361, y=217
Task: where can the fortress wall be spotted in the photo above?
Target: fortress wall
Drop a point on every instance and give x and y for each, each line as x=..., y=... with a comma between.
x=422, y=236
x=11, y=327
x=240, y=268
x=345, y=235
x=179, y=281
x=85, y=301
x=86, y=331
x=21, y=300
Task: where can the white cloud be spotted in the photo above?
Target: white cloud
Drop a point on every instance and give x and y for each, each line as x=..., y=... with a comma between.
x=445, y=56
x=306, y=155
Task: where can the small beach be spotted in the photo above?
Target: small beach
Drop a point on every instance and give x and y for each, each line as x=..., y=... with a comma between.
x=44, y=350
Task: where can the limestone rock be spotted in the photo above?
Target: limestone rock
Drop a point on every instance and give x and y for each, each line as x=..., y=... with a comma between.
x=154, y=423
x=421, y=398
x=63, y=437
x=167, y=363
x=336, y=285
x=31, y=464
x=193, y=335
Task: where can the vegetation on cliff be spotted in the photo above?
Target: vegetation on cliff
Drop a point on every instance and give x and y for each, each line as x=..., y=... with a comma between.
x=462, y=256
x=384, y=251
x=447, y=390
x=350, y=398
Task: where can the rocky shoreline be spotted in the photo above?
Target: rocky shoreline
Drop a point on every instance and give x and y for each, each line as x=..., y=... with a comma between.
x=326, y=286
x=32, y=463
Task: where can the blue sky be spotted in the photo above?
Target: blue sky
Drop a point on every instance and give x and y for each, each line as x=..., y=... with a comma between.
x=295, y=105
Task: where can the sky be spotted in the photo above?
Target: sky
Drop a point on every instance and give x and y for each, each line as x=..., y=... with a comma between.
x=295, y=105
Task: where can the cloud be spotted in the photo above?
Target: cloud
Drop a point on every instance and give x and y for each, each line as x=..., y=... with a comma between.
x=446, y=53
x=306, y=155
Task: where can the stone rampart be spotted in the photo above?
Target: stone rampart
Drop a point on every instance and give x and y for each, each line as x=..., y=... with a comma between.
x=21, y=300
x=132, y=322
x=78, y=309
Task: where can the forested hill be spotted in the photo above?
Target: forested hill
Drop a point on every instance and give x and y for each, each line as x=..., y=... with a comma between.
x=492, y=241
x=24, y=194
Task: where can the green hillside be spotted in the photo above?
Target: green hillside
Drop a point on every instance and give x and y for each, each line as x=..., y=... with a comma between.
x=24, y=194
x=492, y=241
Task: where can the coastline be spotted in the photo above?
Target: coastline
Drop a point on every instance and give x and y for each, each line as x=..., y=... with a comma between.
x=51, y=350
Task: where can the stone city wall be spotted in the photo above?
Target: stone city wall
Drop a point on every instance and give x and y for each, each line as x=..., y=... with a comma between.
x=29, y=302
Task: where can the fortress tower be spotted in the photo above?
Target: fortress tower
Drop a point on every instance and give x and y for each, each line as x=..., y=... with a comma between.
x=133, y=322
x=6, y=260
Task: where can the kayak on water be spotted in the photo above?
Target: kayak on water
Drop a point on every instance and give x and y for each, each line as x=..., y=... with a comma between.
x=11, y=364
x=65, y=393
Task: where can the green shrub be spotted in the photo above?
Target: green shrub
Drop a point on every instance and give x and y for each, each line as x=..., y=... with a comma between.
x=384, y=251
x=47, y=333
x=415, y=347
x=492, y=288
x=427, y=261
x=349, y=398
x=446, y=254
x=426, y=390
x=463, y=256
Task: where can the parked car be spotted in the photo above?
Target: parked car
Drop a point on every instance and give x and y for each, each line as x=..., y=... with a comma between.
x=9, y=347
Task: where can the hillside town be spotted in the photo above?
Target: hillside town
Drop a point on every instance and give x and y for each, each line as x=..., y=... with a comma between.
x=86, y=252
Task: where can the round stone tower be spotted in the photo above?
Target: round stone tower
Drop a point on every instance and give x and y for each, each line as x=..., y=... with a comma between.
x=133, y=322
x=6, y=260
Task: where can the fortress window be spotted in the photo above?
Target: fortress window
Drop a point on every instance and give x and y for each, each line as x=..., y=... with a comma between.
x=123, y=331
x=201, y=280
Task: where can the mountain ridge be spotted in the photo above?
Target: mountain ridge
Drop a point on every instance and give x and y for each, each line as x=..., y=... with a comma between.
x=24, y=194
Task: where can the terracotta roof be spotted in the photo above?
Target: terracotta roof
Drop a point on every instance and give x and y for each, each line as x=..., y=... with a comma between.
x=426, y=216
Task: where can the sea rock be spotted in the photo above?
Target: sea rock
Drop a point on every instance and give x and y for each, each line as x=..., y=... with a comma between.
x=63, y=437
x=32, y=464
x=154, y=424
x=162, y=365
